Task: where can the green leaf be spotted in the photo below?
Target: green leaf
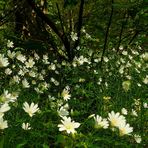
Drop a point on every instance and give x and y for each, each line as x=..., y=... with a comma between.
x=2, y=142
x=45, y=146
x=21, y=144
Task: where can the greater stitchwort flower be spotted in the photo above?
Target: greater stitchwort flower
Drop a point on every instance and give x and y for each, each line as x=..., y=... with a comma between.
x=65, y=94
x=125, y=129
x=116, y=119
x=3, y=123
x=26, y=126
x=68, y=125
x=4, y=108
x=3, y=61
x=32, y=109
x=100, y=122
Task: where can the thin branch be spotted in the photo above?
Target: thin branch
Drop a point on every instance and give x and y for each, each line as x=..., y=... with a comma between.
x=121, y=32
x=134, y=36
x=79, y=24
x=61, y=22
x=70, y=20
x=107, y=32
x=52, y=25
x=44, y=17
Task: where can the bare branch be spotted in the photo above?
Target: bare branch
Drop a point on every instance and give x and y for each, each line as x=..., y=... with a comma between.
x=121, y=31
x=79, y=24
x=107, y=32
x=59, y=14
x=44, y=17
x=52, y=25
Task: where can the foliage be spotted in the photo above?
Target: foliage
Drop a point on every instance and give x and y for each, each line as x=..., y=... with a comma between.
x=73, y=73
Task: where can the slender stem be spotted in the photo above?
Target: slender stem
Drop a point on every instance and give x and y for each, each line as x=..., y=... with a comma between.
x=79, y=24
x=134, y=36
x=121, y=32
x=107, y=32
x=61, y=22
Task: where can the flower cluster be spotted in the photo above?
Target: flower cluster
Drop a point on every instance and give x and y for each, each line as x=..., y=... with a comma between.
x=116, y=121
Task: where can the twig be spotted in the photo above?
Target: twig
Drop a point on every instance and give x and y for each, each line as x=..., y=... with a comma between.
x=107, y=32
x=61, y=22
x=79, y=24
x=134, y=36
x=120, y=35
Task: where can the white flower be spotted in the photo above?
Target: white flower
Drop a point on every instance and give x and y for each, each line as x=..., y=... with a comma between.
x=88, y=36
x=26, y=126
x=52, y=66
x=30, y=109
x=105, y=59
x=74, y=36
x=100, y=122
x=116, y=119
x=137, y=138
x=121, y=70
x=32, y=74
x=10, y=44
x=29, y=63
x=81, y=80
x=54, y=81
x=122, y=60
x=8, y=71
x=138, y=84
x=125, y=129
x=124, y=52
x=21, y=57
x=45, y=57
x=126, y=85
x=3, y=123
x=68, y=125
x=145, y=56
x=91, y=116
x=124, y=111
x=145, y=80
x=38, y=90
x=36, y=56
x=134, y=52
x=16, y=79
x=25, y=83
x=106, y=97
x=130, y=57
x=134, y=113
x=65, y=94
x=63, y=112
x=145, y=105
x=121, y=47
x=4, y=108
x=10, y=54
x=40, y=77
x=3, y=61
x=6, y=96
x=81, y=60
x=14, y=97
x=33, y=82
x=21, y=72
